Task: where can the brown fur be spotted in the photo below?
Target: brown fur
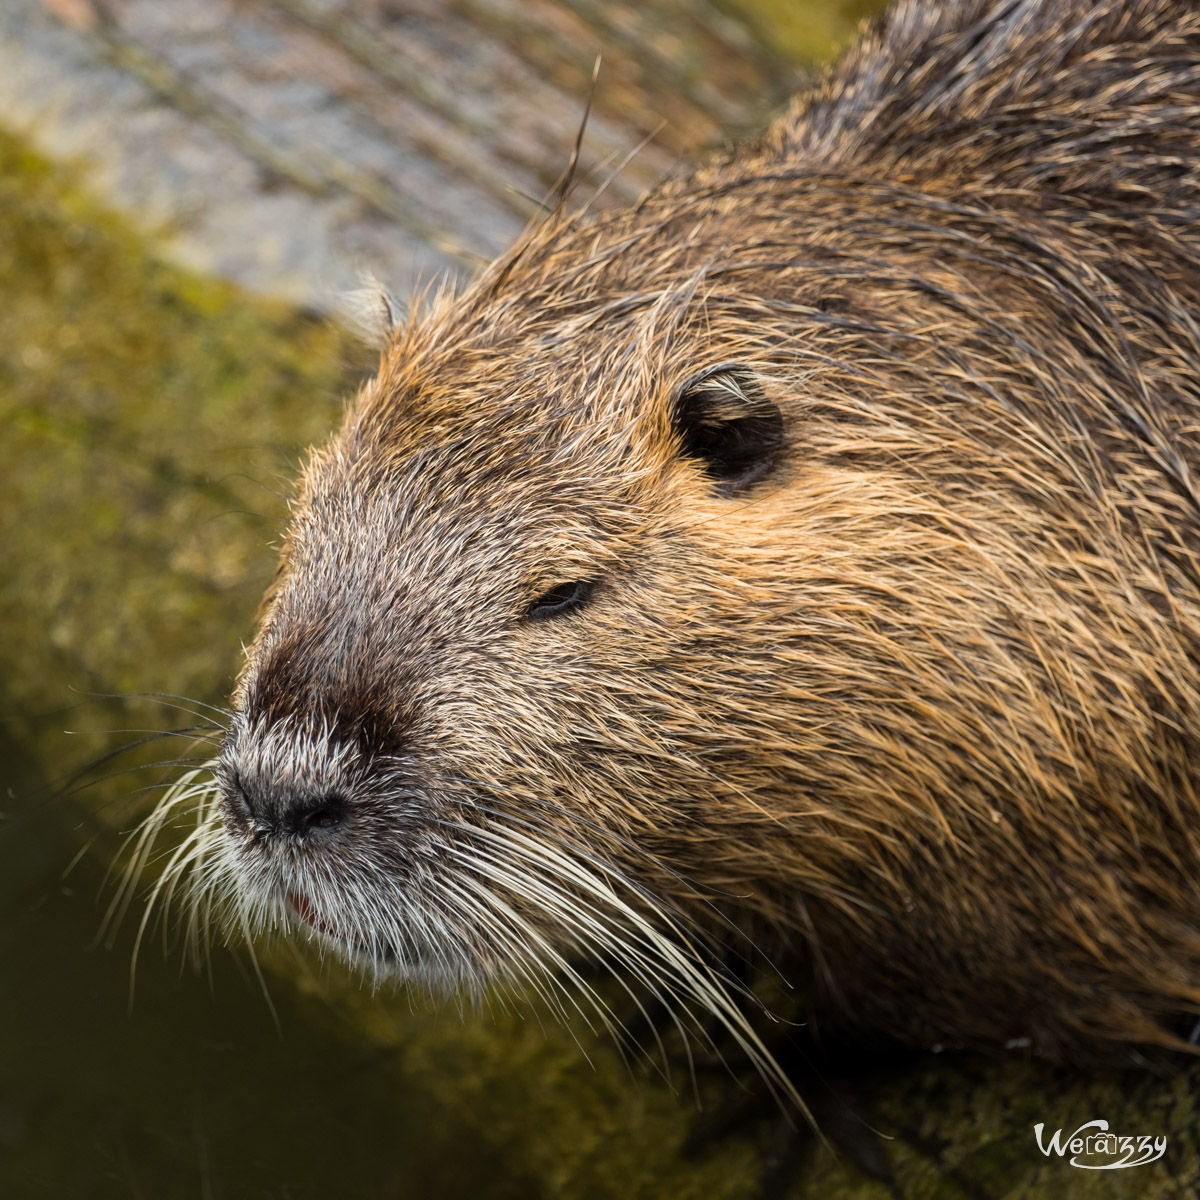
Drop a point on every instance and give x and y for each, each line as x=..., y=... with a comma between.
x=923, y=701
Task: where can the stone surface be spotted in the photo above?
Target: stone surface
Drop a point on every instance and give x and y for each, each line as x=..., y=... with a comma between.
x=291, y=144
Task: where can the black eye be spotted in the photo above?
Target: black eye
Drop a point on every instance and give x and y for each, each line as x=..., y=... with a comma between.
x=562, y=597
x=727, y=425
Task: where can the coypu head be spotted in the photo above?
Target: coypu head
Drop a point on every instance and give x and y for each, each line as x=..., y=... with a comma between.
x=476, y=707
x=812, y=548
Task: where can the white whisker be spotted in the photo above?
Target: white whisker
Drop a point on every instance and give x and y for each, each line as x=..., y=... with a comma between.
x=481, y=902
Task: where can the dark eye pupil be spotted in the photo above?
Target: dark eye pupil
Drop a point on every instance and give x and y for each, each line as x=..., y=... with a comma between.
x=562, y=597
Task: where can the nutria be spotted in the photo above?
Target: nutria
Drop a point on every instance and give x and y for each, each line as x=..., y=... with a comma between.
x=806, y=557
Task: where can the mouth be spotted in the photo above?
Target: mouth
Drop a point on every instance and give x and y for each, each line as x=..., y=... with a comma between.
x=304, y=909
x=308, y=914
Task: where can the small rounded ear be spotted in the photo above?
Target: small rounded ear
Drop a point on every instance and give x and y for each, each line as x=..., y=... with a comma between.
x=728, y=425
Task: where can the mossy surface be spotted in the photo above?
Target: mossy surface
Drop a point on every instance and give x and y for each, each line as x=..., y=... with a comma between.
x=803, y=34
x=151, y=420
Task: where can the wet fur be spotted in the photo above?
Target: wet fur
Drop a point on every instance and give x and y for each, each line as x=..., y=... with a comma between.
x=919, y=709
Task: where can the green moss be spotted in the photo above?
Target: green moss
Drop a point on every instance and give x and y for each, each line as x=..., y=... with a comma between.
x=133, y=395
x=804, y=34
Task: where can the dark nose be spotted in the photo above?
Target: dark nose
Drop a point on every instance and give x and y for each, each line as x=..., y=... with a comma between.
x=285, y=812
x=307, y=816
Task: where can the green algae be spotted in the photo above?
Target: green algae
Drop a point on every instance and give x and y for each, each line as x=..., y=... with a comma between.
x=804, y=34
x=150, y=417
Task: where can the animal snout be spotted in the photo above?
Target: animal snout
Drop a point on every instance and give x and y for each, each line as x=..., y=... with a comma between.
x=268, y=811
x=284, y=779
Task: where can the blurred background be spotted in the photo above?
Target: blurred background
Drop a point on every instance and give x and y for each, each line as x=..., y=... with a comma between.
x=186, y=186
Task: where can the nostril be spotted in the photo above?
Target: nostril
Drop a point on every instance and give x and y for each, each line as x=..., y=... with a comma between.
x=325, y=813
x=237, y=802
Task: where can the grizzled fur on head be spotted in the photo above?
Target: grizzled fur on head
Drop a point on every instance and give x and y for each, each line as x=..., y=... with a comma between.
x=809, y=551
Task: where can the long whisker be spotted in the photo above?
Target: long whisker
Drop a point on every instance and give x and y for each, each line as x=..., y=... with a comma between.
x=192, y=785
x=536, y=944
x=85, y=777
x=171, y=700
x=665, y=960
x=472, y=923
x=705, y=896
